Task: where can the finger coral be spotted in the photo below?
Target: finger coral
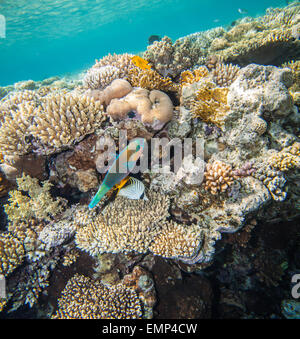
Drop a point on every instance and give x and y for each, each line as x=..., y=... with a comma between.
x=83, y=298
x=15, y=128
x=218, y=177
x=11, y=253
x=210, y=104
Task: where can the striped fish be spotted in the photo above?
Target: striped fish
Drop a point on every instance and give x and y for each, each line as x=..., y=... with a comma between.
x=134, y=190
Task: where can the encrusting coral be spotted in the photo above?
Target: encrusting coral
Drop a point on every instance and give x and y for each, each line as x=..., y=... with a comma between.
x=288, y=158
x=11, y=253
x=83, y=298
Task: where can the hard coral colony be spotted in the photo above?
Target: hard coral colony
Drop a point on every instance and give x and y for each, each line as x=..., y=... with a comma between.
x=235, y=88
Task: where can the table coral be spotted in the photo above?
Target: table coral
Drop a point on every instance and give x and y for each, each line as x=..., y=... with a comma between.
x=11, y=253
x=176, y=240
x=126, y=226
x=83, y=298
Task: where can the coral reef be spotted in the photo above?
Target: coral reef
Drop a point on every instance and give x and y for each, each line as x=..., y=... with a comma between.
x=228, y=212
x=218, y=177
x=154, y=108
x=12, y=253
x=38, y=203
x=210, y=104
x=83, y=298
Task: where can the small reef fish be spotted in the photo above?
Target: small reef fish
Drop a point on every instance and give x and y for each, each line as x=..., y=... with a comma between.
x=290, y=309
x=121, y=167
x=140, y=62
x=153, y=38
x=134, y=190
x=242, y=11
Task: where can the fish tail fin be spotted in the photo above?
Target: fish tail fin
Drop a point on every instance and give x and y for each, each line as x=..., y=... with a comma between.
x=103, y=189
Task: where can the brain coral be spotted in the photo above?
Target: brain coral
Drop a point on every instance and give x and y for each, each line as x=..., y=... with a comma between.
x=83, y=298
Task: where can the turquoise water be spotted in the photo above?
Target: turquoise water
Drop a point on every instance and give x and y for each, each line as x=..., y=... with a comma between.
x=47, y=38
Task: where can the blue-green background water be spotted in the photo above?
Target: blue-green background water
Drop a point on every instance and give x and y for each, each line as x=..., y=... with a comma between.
x=47, y=38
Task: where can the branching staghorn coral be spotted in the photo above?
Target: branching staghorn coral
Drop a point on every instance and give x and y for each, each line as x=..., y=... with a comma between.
x=121, y=61
x=65, y=119
x=15, y=128
x=99, y=78
x=83, y=298
x=171, y=59
x=224, y=75
x=11, y=253
x=218, y=177
x=210, y=104
x=37, y=204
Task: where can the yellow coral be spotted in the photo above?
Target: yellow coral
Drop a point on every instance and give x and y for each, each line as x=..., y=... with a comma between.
x=189, y=77
x=210, y=104
x=39, y=204
x=11, y=253
x=4, y=185
x=150, y=79
x=288, y=158
x=140, y=62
